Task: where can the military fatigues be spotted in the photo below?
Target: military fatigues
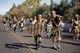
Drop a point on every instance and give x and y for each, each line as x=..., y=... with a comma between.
x=15, y=24
x=21, y=25
x=76, y=28
x=56, y=28
x=37, y=40
x=4, y=24
x=49, y=29
x=37, y=36
x=34, y=27
x=39, y=27
x=55, y=31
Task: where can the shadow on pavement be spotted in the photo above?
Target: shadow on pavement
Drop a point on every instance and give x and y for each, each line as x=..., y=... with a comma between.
x=19, y=45
x=15, y=45
x=48, y=47
x=27, y=36
x=25, y=45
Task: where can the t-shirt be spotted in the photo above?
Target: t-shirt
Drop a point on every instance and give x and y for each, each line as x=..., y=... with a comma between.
x=55, y=21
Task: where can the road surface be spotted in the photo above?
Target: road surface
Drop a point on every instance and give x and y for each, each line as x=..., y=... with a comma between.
x=21, y=42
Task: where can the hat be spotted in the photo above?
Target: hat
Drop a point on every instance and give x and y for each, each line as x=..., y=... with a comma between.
x=53, y=12
x=40, y=15
x=76, y=15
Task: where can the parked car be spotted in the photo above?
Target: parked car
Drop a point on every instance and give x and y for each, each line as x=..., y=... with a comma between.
x=66, y=27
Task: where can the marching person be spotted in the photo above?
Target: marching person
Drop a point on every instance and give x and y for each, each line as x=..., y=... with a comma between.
x=10, y=21
x=48, y=25
x=76, y=28
x=34, y=25
x=40, y=22
x=15, y=21
x=21, y=24
x=49, y=28
x=4, y=23
x=38, y=27
x=55, y=19
x=37, y=40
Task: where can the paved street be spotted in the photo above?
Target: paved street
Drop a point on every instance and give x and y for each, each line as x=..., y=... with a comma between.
x=21, y=42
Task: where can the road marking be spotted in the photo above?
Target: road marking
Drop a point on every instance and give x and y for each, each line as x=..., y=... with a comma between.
x=21, y=40
x=17, y=37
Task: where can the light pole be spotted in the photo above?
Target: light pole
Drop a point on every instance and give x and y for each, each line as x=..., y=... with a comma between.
x=51, y=5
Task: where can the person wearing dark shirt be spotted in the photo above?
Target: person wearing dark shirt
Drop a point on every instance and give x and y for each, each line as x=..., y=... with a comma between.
x=76, y=28
x=55, y=19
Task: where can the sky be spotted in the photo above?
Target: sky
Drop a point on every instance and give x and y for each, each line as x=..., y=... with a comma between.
x=5, y=5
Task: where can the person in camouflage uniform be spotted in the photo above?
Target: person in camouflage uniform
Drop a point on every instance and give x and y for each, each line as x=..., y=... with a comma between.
x=15, y=21
x=38, y=30
x=76, y=28
x=4, y=23
x=34, y=25
x=55, y=19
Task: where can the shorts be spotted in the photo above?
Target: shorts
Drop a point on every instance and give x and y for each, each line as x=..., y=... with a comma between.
x=56, y=35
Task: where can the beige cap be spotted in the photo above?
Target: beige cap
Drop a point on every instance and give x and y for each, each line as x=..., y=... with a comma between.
x=53, y=12
x=39, y=15
x=76, y=15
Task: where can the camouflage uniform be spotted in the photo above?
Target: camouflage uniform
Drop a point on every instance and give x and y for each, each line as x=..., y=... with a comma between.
x=56, y=28
x=76, y=28
x=37, y=34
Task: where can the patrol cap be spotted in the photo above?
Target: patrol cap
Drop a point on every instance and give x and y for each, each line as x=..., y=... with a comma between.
x=53, y=12
x=40, y=15
x=76, y=15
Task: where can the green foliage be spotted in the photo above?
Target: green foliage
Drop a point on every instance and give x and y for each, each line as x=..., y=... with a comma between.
x=44, y=10
x=33, y=7
x=14, y=10
x=62, y=8
x=25, y=9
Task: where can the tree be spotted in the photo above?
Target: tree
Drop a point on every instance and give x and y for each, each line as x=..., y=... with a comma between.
x=78, y=11
x=34, y=3
x=74, y=8
x=32, y=6
x=27, y=8
x=14, y=10
x=63, y=7
x=1, y=17
x=43, y=10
